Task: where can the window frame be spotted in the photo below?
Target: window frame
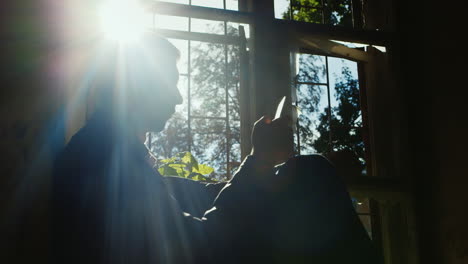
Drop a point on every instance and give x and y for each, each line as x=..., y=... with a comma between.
x=395, y=202
x=207, y=13
x=362, y=95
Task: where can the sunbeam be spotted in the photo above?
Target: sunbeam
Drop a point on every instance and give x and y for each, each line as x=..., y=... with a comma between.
x=121, y=20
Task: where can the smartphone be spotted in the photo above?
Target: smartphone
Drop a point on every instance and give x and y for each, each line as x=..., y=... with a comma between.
x=279, y=108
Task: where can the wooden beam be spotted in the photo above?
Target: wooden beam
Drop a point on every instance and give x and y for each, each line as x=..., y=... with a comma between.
x=172, y=9
x=330, y=48
x=300, y=29
x=379, y=189
x=304, y=29
x=205, y=37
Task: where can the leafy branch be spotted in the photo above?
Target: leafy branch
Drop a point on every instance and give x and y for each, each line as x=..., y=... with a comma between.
x=185, y=165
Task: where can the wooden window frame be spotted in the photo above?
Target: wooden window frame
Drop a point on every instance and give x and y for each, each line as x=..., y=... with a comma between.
x=260, y=95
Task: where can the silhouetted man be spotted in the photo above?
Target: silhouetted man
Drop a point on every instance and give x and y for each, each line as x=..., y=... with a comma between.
x=110, y=206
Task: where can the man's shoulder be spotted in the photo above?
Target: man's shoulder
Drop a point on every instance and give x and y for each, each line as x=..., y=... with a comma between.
x=86, y=146
x=314, y=169
x=316, y=160
x=68, y=153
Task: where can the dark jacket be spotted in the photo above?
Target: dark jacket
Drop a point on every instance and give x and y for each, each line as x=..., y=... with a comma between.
x=110, y=206
x=300, y=212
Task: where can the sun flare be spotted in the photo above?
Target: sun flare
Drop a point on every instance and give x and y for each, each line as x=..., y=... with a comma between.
x=122, y=20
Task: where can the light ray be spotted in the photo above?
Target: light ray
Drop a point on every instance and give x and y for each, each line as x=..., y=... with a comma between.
x=122, y=20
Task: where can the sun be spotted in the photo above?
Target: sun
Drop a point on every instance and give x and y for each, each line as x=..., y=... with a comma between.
x=122, y=20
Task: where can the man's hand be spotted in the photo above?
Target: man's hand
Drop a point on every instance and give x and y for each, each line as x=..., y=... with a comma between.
x=272, y=141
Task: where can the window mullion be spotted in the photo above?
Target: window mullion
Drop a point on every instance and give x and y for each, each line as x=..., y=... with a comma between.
x=189, y=84
x=329, y=106
x=228, y=141
x=323, y=13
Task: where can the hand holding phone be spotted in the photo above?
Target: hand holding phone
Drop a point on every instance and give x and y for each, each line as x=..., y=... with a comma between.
x=271, y=138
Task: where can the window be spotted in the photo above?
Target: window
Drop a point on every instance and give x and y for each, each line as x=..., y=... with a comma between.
x=220, y=4
x=208, y=122
x=338, y=86
x=330, y=12
x=366, y=215
x=330, y=120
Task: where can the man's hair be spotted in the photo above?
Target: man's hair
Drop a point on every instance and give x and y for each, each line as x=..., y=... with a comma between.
x=146, y=59
x=149, y=47
x=160, y=43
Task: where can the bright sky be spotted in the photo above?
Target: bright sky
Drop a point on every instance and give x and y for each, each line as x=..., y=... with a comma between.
x=335, y=66
x=280, y=7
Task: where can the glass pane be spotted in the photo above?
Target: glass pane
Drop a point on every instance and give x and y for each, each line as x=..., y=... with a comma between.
x=233, y=29
x=306, y=14
x=306, y=3
x=313, y=121
x=186, y=2
x=171, y=22
x=235, y=158
x=339, y=66
x=281, y=9
x=233, y=75
x=208, y=79
x=232, y=5
x=234, y=104
x=173, y=139
x=183, y=89
x=210, y=149
x=346, y=115
x=235, y=147
x=339, y=12
x=207, y=126
x=333, y=12
x=366, y=222
x=361, y=205
x=311, y=68
x=345, y=95
x=208, y=101
x=209, y=3
x=182, y=46
x=234, y=126
x=207, y=26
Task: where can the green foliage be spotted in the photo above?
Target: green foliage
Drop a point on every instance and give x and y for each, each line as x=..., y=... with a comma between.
x=185, y=165
x=332, y=12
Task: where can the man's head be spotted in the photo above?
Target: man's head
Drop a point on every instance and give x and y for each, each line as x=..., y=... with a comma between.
x=140, y=82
